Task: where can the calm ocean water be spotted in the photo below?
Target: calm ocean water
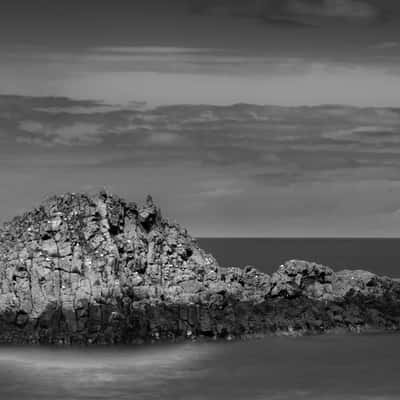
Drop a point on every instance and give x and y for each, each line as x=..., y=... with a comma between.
x=381, y=256
x=308, y=368
x=342, y=367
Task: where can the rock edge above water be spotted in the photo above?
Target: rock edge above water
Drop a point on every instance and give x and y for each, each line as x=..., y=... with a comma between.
x=98, y=269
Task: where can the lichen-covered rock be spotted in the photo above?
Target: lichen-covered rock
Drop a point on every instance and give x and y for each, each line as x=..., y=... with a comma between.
x=97, y=269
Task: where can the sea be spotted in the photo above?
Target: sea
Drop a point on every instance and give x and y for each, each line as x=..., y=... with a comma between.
x=327, y=367
x=381, y=256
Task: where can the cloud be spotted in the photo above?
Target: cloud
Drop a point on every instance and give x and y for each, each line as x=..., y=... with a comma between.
x=383, y=135
x=220, y=188
x=164, y=138
x=186, y=60
x=149, y=50
x=290, y=12
x=80, y=132
x=333, y=8
x=77, y=109
x=386, y=45
x=52, y=133
x=268, y=144
x=273, y=71
x=34, y=140
x=33, y=127
x=29, y=102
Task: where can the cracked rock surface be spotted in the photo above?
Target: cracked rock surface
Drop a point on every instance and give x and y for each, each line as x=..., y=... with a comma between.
x=98, y=269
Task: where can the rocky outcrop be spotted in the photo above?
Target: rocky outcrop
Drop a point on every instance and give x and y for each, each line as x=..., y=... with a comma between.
x=97, y=269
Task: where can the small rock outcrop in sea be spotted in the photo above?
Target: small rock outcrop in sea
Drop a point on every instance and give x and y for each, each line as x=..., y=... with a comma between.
x=97, y=269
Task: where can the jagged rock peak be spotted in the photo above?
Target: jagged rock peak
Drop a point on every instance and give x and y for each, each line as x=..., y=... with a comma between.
x=93, y=227
x=70, y=208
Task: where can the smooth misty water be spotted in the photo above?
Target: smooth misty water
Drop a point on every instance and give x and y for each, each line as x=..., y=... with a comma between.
x=323, y=368
x=381, y=256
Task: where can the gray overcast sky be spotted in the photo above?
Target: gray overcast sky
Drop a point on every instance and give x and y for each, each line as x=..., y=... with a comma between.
x=291, y=52
x=168, y=83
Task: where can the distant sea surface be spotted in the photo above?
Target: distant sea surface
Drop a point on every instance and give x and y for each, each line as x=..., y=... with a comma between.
x=381, y=256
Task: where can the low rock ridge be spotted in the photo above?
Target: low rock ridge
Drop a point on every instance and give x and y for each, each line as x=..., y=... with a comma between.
x=97, y=269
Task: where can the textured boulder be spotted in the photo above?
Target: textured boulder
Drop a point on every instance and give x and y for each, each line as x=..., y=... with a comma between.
x=97, y=269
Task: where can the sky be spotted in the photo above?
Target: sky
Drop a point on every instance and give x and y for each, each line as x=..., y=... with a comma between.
x=241, y=118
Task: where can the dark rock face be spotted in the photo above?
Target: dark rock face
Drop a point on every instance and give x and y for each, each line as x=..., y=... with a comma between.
x=96, y=269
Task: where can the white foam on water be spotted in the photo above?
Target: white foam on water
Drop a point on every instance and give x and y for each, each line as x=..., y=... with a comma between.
x=97, y=372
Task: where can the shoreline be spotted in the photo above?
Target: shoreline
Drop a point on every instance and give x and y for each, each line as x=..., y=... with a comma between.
x=290, y=334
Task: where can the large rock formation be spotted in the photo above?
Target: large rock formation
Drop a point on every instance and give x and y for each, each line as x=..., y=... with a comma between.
x=96, y=269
